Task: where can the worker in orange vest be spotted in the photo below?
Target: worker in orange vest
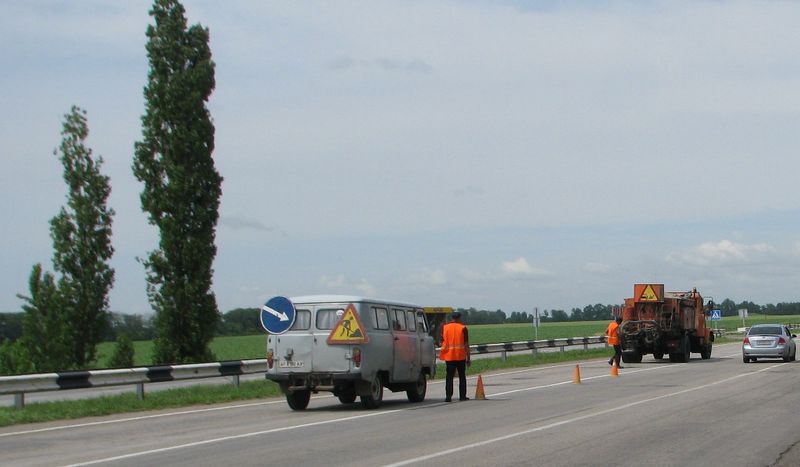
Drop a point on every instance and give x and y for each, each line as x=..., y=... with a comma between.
x=613, y=339
x=455, y=354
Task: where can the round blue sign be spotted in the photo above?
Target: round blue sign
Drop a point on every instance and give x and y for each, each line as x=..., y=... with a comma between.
x=277, y=315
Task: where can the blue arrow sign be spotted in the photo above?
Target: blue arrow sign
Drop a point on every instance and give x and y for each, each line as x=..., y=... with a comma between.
x=277, y=315
x=716, y=315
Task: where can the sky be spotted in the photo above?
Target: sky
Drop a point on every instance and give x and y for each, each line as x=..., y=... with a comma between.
x=489, y=154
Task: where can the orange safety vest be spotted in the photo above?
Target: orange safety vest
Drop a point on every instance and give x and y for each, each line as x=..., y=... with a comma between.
x=613, y=333
x=454, y=348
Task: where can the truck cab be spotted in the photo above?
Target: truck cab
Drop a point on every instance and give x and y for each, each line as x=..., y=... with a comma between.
x=353, y=347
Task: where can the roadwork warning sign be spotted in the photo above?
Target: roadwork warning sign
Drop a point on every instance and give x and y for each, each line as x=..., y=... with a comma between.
x=648, y=295
x=348, y=329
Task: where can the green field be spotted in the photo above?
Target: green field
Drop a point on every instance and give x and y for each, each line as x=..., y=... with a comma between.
x=248, y=347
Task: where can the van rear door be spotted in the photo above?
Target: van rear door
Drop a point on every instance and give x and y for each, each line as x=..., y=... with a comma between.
x=330, y=357
x=294, y=349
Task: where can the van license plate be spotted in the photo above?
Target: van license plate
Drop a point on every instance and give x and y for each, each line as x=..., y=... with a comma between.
x=290, y=364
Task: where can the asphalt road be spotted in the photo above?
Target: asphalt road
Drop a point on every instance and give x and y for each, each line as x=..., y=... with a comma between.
x=706, y=412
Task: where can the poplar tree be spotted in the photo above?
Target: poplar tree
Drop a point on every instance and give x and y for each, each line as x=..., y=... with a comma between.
x=65, y=320
x=81, y=235
x=181, y=185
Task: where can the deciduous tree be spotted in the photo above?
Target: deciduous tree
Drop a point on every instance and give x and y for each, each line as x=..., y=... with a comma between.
x=81, y=234
x=181, y=185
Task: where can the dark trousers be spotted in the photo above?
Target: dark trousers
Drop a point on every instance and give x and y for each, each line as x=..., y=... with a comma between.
x=451, y=368
x=617, y=354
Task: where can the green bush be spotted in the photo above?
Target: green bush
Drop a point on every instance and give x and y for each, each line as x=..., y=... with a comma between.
x=123, y=355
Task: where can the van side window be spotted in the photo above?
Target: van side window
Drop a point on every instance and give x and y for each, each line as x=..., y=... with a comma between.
x=302, y=320
x=400, y=320
x=412, y=325
x=422, y=324
x=327, y=318
x=380, y=318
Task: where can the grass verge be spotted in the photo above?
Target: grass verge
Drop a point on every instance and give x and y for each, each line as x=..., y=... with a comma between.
x=124, y=403
x=221, y=393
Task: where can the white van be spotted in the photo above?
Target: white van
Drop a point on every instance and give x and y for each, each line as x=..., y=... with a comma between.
x=352, y=346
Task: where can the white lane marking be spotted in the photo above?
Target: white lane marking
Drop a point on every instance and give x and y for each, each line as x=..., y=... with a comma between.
x=147, y=417
x=229, y=438
x=573, y=420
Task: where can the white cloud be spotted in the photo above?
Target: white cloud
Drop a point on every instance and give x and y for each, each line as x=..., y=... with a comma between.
x=432, y=277
x=366, y=288
x=337, y=282
x=521, y=267
x=720, y=253
x=342, y=285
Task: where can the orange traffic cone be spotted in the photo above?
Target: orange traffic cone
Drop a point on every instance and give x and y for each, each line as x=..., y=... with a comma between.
x=479, y=394
x=576, y=378
x=614, y=370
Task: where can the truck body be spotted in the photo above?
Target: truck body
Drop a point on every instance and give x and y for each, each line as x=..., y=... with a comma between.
x=353, y=347
x=665, y=323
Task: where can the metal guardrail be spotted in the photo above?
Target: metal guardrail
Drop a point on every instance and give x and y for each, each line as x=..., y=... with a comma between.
x=19, y=385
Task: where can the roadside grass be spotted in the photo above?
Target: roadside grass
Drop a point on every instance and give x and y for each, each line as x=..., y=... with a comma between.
x=206, y=394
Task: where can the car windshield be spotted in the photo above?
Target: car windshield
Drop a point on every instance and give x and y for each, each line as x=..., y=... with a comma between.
x=766, y=330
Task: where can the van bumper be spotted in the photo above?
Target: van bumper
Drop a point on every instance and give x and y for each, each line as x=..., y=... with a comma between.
x=313, y=381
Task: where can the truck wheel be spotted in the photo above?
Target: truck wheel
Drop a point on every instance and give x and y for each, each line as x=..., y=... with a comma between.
x=705, y=354
x=674, y=357
x=631, y=356
x=417, y=392
x=375, y=397
x=685, y=356
x=298, y=400
x=658, y=355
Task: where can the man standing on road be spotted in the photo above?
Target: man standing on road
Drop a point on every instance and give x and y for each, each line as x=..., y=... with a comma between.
x=455, y=354
x=613, y=339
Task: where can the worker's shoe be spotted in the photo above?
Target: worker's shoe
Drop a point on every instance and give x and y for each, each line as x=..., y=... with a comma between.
x=448, y=399
x=463, y=398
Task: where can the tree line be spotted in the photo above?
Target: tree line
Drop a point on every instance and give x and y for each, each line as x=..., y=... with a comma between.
x=601, y=312
x=245, y=321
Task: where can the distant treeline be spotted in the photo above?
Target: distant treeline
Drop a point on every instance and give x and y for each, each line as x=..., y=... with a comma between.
x=244, y=321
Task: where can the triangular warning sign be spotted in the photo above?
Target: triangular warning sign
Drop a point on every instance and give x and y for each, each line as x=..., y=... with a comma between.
x=648, y=295
x=348, y=329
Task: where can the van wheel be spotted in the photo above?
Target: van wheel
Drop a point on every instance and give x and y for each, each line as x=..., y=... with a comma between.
x=375, y=397
x=658, y=355
x=298, y=400
x=348, y=396
x=417, y=392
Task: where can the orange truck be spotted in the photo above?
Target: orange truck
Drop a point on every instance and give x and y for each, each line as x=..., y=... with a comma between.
x=665, y=323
